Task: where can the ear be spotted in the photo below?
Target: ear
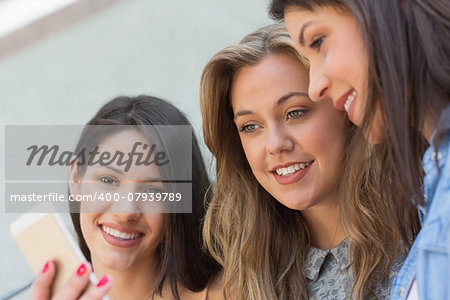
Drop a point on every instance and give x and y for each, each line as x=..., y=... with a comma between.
x=74, y=178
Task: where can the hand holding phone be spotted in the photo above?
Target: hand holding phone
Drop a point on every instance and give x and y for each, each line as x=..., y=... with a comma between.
x=59, y=265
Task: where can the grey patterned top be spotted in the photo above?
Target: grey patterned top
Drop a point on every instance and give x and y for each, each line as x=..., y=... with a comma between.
x=330, y=276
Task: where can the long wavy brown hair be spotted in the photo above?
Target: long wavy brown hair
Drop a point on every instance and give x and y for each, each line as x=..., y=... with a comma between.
x=262, y=244
x=408, y=77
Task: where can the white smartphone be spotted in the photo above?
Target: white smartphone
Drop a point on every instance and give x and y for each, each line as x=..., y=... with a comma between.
x=43, y=237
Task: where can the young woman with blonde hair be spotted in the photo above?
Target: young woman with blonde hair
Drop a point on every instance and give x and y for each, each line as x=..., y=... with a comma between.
x=295, y=211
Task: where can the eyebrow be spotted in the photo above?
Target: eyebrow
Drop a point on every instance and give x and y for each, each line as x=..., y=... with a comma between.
x=302, y=31
x=242, y=113
x=114, y=169
x=289, y=95
x=280, y=101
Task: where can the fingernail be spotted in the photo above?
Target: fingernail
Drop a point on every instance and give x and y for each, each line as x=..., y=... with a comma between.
x=45, y=268
x=81, y=270
x=103, y=281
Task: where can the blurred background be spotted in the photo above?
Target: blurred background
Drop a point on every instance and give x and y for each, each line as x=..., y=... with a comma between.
x=61, y=60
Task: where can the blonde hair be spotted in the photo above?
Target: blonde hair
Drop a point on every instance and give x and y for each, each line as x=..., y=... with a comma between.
x=262, y=244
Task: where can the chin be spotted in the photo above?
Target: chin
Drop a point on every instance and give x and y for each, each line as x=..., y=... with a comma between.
x=115, y=262
x=295, y=204
x=118, y=266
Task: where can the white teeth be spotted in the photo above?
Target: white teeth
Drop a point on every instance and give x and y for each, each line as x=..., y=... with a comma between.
x=292, y=168
x=349, y=100
x=120, y=234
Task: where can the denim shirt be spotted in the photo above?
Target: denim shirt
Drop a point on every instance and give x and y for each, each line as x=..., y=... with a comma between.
x=428, y=261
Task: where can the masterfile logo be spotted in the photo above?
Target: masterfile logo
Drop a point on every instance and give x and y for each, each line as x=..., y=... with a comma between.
x=115, y=163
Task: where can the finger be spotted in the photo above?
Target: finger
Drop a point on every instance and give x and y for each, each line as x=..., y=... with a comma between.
x=76, y=284
x=40, y=290
x=100, y=290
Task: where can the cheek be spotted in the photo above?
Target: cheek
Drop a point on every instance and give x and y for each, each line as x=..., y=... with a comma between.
x=330, y=139
x=86, y=220
x=88, y=225
x=347, y=64
x=156, y=223
x=339, y=66
x=252, y=151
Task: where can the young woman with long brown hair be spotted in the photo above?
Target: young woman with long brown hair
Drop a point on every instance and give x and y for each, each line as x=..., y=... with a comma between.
x=295, y=211
x=387, y=64
x=150, y=254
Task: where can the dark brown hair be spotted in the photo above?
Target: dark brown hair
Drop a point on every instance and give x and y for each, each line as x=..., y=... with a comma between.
x=179, y=255
x=409, y=75
x=408, y=79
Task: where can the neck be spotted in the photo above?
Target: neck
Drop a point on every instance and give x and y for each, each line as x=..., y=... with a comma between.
x=324, y=224
x=135, y=282
x=428, y=128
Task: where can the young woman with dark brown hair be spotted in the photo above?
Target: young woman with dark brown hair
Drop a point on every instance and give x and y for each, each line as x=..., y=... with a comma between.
x=387, y=63
x=149, y=254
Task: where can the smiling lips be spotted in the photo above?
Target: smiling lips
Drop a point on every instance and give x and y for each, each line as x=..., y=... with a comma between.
x=292, y=168
x=346, y=103
x=119, y=236
x=291, y=173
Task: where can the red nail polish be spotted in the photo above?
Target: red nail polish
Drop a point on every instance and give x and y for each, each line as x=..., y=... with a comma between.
x=103, y=281
x=81, y=270
x=45, y=268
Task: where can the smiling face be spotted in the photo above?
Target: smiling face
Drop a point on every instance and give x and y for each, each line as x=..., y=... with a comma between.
x=295, y=147
x=119, y=237
x=331, y=41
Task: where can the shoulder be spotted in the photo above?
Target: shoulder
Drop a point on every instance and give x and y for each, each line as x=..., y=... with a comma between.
x=436, y=181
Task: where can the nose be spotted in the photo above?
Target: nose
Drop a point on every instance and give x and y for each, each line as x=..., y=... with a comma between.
x=126, y=211
x=318, y=84
x=278, y=140
x=127, y=217
x=127, y=206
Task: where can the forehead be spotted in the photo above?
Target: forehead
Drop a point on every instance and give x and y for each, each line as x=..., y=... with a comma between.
x=124, y=142
x=273, y=65
x=272, y=77
x=317, y=9
x=302, y=15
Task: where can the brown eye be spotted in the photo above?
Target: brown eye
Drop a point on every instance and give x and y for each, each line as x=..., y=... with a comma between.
x=317, y=43
x=108, y=180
